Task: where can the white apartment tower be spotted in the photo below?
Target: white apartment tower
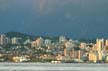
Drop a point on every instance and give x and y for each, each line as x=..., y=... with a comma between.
x=3, y=39
x=100, y=44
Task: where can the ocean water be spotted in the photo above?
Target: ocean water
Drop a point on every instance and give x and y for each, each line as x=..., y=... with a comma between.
x=52, y=67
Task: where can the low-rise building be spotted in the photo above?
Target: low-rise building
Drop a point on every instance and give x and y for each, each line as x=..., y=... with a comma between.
x=21, y=58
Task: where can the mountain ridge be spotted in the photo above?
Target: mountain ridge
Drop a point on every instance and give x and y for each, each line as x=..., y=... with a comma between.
x=32, y=37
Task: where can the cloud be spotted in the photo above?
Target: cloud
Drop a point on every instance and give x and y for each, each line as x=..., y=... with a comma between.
x=47, y=6
x=44, y=6
x=4, y=4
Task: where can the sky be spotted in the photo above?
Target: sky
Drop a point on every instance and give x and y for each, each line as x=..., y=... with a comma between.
x=72, y=18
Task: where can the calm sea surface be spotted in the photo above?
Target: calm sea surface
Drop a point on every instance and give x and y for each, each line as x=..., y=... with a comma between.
x=52, y=67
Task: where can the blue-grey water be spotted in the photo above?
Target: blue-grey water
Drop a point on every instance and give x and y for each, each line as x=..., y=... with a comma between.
x=52, y=67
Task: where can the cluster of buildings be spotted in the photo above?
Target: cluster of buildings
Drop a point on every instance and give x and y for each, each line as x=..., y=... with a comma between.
x=98, y=50
x=4, y=40
x=63, y=50
x=23, y=58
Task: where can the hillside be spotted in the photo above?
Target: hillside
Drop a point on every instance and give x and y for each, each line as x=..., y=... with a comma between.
x=21, y=35
x=26, y=36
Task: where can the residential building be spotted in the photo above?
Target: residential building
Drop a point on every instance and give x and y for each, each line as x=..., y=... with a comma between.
x=15, y=40
x=3, y=39
x=100, y=44
x=38, y=43
x=47, y=42
x=62, y=39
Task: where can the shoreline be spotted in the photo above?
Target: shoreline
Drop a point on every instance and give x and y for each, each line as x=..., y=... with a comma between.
x=52, y=67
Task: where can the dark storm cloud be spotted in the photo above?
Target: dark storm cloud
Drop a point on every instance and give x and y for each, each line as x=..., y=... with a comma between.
x=74, y=18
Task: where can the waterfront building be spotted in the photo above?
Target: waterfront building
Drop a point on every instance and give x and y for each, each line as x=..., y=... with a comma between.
x=100, y=48
x=106, y=45
x=72, y=53
x=23, y=58
x=69, y=45
x=106, y=48
x=3, y=39
x=65, y=52
x=59, y=57
x=100, y=44
x=79, y=54
x=99, y=56
x=92, y=57
x=106, y=42
x=106, y=58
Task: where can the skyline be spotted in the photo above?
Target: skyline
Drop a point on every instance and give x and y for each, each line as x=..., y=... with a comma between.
x=53, y=50
x=72, y=18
